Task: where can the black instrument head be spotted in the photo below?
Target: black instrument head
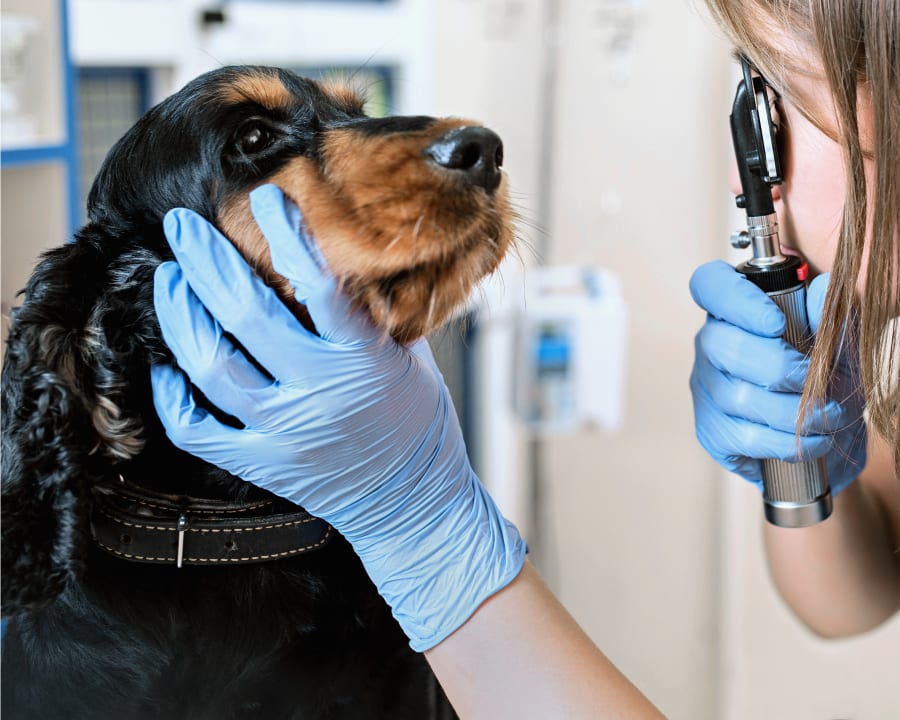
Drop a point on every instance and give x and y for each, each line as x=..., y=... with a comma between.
x=754, y=134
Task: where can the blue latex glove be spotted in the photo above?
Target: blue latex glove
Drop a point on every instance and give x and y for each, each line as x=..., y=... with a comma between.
x=357, y=429
x=747, y=381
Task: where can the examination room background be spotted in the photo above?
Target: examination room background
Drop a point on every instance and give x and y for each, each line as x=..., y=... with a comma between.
x=614, y=117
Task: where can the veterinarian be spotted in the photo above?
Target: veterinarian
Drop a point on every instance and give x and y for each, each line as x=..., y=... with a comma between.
x=439, y=550
x=839, y=207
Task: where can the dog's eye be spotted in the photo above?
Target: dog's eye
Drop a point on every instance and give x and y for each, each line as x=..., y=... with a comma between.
x=254, y=139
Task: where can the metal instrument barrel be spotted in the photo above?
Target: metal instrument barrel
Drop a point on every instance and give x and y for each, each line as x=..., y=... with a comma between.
x=794, y=494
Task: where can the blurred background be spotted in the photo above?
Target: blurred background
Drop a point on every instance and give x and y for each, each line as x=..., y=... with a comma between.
x=570, y=369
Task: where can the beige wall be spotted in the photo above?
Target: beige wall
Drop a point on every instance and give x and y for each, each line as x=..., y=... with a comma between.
x=637, y=188
x=32, y=220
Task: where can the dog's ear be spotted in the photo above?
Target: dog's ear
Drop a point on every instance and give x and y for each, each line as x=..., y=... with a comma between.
x=48, y=433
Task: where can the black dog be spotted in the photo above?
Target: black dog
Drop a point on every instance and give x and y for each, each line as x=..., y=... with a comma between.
x=141, y=582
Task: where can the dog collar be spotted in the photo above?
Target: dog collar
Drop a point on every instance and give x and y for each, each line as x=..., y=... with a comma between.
x=137, y=524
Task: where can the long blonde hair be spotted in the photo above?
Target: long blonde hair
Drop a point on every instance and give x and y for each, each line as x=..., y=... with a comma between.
x=857, y=45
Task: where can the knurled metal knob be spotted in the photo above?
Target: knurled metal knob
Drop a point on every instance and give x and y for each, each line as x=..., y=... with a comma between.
x=740, y=239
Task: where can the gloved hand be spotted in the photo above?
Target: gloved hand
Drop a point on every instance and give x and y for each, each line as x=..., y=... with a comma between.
x=747, y=381
x=357, y=429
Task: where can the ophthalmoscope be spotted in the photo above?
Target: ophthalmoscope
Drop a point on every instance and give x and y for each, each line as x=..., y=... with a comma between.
x=794, y=494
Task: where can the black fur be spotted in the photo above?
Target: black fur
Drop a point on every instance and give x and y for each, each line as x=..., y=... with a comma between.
x=93, y=636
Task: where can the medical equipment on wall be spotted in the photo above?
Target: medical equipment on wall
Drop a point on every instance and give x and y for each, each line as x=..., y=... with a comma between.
x=570, y=337
x=794, y=494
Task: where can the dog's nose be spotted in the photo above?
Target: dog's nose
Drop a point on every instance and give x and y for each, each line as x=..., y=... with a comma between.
x=475, y=152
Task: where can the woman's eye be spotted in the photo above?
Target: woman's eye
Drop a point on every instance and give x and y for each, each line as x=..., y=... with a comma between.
x=254, y=140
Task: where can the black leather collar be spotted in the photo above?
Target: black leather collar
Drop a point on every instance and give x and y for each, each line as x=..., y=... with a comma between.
x=136, y=524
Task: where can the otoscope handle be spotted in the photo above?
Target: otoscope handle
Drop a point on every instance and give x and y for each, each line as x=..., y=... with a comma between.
x=794, y=494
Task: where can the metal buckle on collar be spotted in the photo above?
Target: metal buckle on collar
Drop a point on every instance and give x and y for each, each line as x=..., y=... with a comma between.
x=184, y=522
x=135, y=524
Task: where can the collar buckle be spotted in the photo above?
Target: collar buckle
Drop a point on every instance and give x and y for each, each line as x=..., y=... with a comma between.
x=184, y=522
x=141, y=525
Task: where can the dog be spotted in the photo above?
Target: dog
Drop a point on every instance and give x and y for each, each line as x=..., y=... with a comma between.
x=139, y=581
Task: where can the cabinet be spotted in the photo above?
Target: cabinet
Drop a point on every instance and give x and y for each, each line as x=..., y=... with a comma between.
x=37, y=140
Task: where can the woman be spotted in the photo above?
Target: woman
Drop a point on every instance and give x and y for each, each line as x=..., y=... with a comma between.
x=452, y=569
x=834, y=64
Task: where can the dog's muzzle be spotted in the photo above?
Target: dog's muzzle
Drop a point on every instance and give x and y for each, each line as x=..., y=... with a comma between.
x=136, y=524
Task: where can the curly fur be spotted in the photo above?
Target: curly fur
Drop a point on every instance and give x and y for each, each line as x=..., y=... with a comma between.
x=92, y=635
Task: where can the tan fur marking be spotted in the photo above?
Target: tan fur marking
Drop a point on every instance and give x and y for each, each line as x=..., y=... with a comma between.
x=263, y=89
x=343, y=95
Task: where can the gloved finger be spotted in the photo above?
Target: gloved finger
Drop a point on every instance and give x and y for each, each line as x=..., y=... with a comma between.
x=726, y=437
x=779, y=410
x=708, y=420
x=197, y=431
x=203, y=350
x=295, y=255
x=236, y=297
x=727, y=295
x=769, y=362
x=189, y=427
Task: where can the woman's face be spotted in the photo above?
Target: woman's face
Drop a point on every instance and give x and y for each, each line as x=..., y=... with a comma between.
x=810, y=201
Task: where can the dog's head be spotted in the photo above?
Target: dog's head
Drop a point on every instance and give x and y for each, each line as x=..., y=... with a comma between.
x=410, y=212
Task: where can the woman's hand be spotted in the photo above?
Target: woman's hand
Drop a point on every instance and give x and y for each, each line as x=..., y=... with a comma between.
x=357, y=429
x=746, y=384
